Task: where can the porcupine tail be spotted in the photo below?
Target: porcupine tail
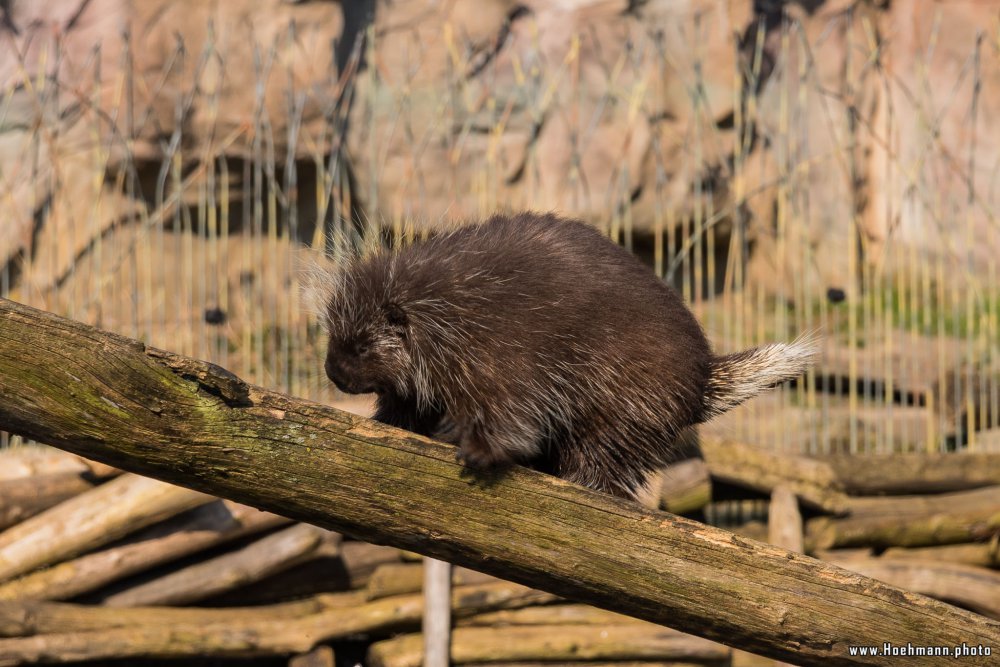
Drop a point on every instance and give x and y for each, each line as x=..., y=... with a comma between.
x=740, y=376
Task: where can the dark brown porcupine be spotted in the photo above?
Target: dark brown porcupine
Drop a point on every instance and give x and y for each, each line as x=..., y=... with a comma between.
x=534, y=339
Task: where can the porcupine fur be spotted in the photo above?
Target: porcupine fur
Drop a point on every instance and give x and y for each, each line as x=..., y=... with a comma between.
x=533, y=339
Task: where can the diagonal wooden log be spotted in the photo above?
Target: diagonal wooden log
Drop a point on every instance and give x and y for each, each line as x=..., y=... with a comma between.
x=188, y=422
x=91, y=519
x=255, y=561
x=206, y=526
x=24, y=497
x=976, y=588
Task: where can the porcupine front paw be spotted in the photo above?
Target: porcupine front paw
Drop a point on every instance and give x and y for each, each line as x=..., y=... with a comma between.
x=475, y=459
x=471, y=452
x=476, y=454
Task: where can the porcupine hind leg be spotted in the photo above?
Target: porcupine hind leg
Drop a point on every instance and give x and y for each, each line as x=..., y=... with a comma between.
x=601, y=481
x=591, y=461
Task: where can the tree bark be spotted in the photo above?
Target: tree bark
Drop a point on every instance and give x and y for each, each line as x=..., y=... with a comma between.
x=115, y=400
x=972, y=587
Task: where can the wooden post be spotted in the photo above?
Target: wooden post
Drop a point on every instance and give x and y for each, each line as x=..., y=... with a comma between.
x=784, y=526
x=437, y=612
x=113, y=399
x=784, y=521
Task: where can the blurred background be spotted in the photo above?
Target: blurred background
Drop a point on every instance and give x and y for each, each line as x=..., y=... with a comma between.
x=166, y=168
x=788, y=166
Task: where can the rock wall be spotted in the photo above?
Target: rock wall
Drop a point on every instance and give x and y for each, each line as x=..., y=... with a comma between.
x=817, y=140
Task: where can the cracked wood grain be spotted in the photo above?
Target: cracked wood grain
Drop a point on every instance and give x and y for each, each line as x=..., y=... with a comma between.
x=186, y=422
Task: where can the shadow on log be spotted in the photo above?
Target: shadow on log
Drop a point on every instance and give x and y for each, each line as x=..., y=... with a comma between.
x=188, y=422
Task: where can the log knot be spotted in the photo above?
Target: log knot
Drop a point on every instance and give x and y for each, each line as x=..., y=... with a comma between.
x=210, y=378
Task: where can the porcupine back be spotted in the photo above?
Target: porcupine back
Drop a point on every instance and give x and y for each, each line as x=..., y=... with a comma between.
x=535, y=339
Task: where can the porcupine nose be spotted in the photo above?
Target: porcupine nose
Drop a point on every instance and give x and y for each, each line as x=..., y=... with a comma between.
x=346, y=381
x=335, y=371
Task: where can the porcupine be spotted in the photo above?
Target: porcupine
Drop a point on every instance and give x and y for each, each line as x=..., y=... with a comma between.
x=534, y=339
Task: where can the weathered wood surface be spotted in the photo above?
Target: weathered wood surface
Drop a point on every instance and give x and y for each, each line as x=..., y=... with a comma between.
x=321, y=656
x=985, y=554
x=155, y=413
x=970, y=586
x=561, y=643
x=189, y=533
x=784, y=521
x=826, y=482
x=401, y=578
x=910, y=521
x=35, y=461
x=621, y=663
x=26, y=618
x=814, y=482
x=321, y=572
x=915, y=473
x=685, y=486
x=436, y=628
x=254, y=562
x=290, y=628
x=24, y=497
x=554, y=614
x=784, y=527
x=91, y=519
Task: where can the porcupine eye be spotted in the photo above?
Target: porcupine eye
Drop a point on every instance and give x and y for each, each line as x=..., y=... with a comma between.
x=396, y=317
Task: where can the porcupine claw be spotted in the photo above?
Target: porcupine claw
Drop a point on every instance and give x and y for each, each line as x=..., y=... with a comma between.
x=474, y=460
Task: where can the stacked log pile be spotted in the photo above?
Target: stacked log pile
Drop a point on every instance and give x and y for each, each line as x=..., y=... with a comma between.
x=98, y=565
x=926, y=523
